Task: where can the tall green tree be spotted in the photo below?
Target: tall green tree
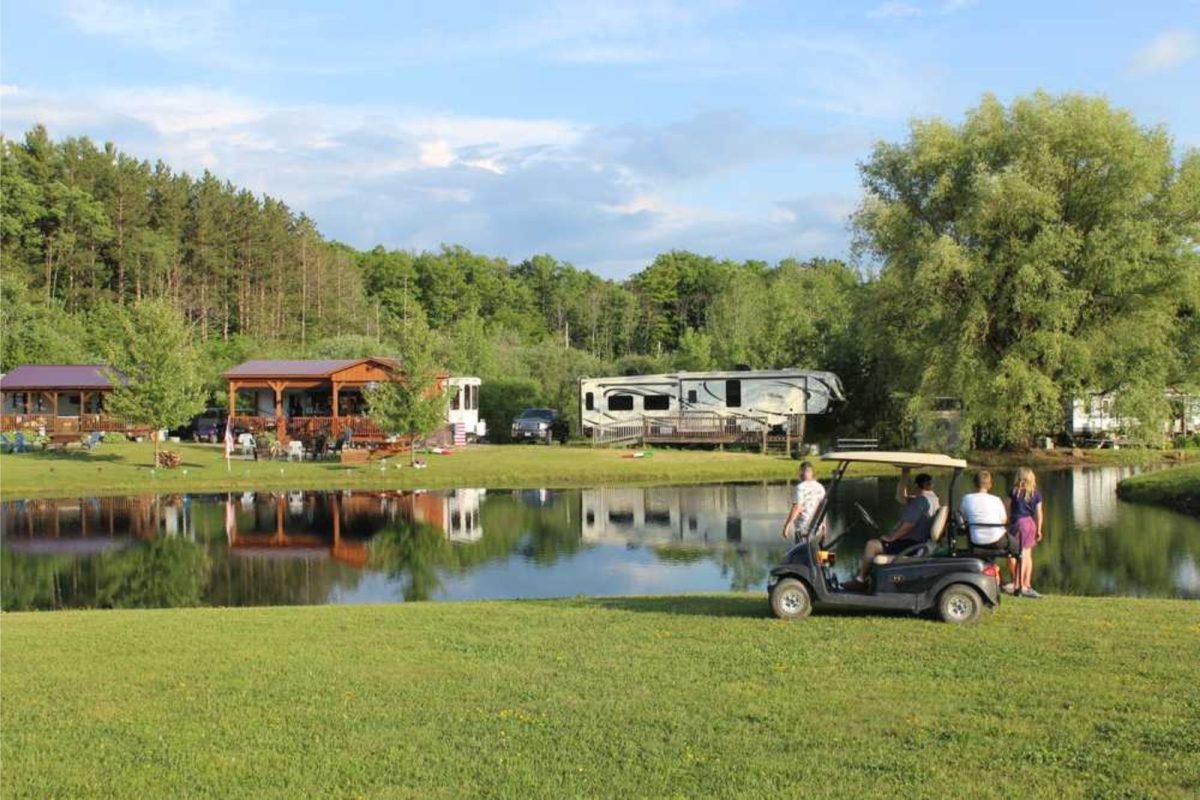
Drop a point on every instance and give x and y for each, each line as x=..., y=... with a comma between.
x=414, y=402
x=1029, y=255
x=153, y=370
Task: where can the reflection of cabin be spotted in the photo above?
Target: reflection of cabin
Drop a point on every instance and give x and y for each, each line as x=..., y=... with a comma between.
x=62, y=398
x=277, y=540
x=65, y=525
x=306, y=399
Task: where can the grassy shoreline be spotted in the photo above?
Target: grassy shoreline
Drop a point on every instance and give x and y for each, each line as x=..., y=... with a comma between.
x=1178, y=489
x=123, y=468
x=688, y=696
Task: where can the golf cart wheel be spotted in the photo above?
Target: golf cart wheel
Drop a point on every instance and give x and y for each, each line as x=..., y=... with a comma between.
x=959, y=605
x=790, y=599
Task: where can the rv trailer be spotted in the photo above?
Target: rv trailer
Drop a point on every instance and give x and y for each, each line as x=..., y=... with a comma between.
x=780, y=397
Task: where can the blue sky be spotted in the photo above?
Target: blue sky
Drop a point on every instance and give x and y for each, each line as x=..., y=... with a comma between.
x=600, y=132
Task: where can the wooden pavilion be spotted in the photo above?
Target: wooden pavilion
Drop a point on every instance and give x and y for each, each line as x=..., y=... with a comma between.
x=64, y=399
x=307, y=399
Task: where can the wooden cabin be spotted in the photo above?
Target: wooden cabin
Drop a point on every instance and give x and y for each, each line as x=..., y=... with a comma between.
x=306, y=399
x=63, y=399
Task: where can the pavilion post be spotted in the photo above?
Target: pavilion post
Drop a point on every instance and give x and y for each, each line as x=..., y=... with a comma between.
x=333, y=425
x=280, y=423
x=233, y=398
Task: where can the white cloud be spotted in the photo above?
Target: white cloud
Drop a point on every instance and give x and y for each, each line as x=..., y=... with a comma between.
x=894, y=9
x=898, y=9
x=1165, y=51
x=163, y=27
x=605, y=198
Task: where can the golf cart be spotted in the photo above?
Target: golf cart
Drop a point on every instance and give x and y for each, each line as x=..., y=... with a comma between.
x=929, y=576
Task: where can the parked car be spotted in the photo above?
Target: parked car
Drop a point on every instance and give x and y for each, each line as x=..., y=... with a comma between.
x=543, y=425
x=209, y=426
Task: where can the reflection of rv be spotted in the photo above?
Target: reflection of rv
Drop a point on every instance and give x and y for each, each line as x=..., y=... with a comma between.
x=779, y=395
x=464, y=406
x=454, y=511
x=688, y=515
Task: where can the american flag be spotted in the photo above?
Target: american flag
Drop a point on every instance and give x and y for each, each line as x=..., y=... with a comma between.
x=229, y=437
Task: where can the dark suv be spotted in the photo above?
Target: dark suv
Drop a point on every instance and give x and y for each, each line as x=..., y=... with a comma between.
x=540, y=425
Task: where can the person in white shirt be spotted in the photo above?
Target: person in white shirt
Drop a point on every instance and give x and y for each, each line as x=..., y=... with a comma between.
x=806, y=499
x=984, y=513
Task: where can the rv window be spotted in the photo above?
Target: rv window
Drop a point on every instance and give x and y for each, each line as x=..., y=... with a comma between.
x=657, y=402
x=620, y=402
x=733, y=394
x=475, y=398
x=692, y=396
x=454, y=400
x=589, y=401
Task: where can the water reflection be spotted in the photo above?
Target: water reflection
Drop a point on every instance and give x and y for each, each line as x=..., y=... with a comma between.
x=273, y=548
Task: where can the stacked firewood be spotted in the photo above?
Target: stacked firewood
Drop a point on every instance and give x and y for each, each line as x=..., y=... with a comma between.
x=169, y=459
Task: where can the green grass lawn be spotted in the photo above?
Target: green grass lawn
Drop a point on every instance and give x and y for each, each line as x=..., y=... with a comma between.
x=685, y=696
x=121, y=468
x=1177, y=488
x=125, y=467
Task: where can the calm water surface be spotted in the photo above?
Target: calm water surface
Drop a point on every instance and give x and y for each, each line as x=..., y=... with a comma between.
x=270, y=548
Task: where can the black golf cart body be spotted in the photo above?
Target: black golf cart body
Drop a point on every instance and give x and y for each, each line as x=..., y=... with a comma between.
x=928, y=576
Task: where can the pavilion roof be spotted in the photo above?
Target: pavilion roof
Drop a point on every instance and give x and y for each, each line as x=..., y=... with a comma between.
x=318, y=368
x=49, y=377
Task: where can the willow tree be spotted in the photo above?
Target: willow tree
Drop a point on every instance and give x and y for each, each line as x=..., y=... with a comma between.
x=153, y=370
x=1032, y=254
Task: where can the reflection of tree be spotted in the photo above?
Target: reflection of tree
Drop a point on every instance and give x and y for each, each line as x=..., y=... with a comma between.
x=242, y=580
x=748, y=567
x=161, y=573
x=411, y=552
x=30, y=582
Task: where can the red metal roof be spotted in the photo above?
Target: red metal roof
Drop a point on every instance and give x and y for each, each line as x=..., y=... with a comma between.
x=323, y=368
x=48, y=377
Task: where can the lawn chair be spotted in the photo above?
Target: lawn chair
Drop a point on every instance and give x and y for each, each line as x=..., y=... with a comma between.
x=295, y=449
x=93, y=440
x=20, y=443
x=5, y=444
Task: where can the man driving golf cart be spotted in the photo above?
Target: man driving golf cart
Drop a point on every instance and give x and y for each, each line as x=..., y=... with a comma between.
x=920, y=508
x=911, y=569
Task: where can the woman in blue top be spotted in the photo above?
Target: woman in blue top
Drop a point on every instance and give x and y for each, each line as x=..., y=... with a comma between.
x=1026, y=513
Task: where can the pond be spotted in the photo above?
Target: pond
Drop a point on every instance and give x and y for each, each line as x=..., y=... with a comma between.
x=272, y=548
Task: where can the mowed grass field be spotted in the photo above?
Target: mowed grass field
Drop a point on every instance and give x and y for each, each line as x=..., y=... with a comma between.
x=1177, y=488
x=118, y=468
x=677, y=697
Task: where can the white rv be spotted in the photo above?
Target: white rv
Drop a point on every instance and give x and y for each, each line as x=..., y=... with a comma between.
x=780, y=396
x=464, y=406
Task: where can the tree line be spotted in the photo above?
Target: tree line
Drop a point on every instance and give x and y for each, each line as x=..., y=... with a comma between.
x=1032, y=253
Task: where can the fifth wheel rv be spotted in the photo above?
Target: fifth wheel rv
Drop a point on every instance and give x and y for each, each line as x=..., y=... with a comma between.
x=780, y=397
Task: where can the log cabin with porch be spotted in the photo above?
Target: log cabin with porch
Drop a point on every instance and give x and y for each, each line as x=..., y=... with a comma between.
x=61, y=399
x=309, y=399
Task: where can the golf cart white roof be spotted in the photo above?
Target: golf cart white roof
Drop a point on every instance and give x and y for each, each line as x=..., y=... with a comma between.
x=899, y=459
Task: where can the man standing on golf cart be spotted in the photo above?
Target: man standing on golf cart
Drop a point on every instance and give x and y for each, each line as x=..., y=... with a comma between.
x=912, y=529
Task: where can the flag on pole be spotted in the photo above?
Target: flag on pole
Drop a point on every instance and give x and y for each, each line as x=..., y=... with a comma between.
x=228, y=441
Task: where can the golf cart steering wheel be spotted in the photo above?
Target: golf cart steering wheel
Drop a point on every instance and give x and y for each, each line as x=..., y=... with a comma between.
x=865, y=515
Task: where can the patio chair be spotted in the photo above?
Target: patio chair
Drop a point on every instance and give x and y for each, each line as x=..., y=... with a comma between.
x=5, y=444
x=295, y=449
x=93, y=440
x=20, y=443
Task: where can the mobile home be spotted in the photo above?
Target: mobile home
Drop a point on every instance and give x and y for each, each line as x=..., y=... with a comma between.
x=781, y=397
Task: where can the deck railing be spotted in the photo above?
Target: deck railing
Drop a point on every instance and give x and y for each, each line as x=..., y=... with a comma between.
x=309, y=428
x=692, y=427
x=82, y=423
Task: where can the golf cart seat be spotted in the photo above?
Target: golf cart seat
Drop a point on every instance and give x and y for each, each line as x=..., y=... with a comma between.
x=923, y=549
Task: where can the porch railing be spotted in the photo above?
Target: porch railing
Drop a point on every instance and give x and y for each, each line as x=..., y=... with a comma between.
x=83, y=423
